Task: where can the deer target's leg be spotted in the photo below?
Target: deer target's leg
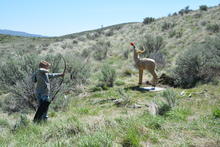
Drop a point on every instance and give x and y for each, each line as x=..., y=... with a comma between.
x=140, y=76
x=154, y=80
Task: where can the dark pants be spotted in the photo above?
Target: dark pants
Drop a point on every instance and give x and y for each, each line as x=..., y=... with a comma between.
x=42, y=110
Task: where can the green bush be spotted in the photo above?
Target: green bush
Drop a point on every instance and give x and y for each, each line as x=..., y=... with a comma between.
x=79, y=69
x=151, y=44
x=203, y=8
x=100, y=50
x=216, y=113
x=108, y=76
x=214, y=28
x=167, y=25
x=167, y=102
x=132, y=138
x=148, y=20
x=127, y=71
x=15, y=78
x=201, y=62
x=171, y=33
x=86, y=53
x=186, y=10
x=159, y=58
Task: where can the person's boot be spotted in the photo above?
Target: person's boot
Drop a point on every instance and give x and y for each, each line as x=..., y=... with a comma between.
x=45, y=110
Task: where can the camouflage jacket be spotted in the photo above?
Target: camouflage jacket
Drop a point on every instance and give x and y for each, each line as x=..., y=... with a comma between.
x=42, y=78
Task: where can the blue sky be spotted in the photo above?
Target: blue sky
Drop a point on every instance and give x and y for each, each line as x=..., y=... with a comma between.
x=60, y=17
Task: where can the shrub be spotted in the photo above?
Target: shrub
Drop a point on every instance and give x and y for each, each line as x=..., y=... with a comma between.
x=86, y=53
x=167, y=26
x=79, y=69
x=159, y=58
x=203, y=23
x=109, y=32
x=148, y=20
x=216, y=113
x=171, y=33
x=174, y=14
x=15, y=78
x=101, y=50
x=165, y=102
x=197, y=15
x=214, y=28
x=186, y=10
x=151, y=44
x=198, y=63
x=132, y=138
x=108, y=75
x=203, y=8
x=127, y=71
x=168, y=101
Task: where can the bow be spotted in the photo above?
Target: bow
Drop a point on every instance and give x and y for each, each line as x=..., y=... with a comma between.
x=61, y=82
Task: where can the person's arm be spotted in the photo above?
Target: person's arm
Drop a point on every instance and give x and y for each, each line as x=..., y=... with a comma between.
x=54, y=75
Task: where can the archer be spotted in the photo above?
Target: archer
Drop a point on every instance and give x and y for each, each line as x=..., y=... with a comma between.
x=42, y=78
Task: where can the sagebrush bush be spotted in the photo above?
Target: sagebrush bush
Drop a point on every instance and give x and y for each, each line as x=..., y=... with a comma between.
x=159, y=58
x=167, y=25
x=79, y=69
x=201, y=62
x=15, y=78
x=151, y=44
x=148, y=20
x=100, y=50
x=108, y=75
x=214, y=28
x=167, y=101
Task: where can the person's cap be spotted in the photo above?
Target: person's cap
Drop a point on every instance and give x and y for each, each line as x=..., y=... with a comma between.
x=44, y=64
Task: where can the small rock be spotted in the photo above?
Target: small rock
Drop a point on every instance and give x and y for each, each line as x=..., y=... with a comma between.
x=135, y=106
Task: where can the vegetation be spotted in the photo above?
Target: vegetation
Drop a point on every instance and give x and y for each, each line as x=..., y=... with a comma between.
x=108, y=76
x=214, y=28
x=148, y=20
x=203, y=8
x=199, y=63
x=99, y=103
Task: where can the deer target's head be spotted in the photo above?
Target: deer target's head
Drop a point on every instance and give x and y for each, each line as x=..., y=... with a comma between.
x=137, y=50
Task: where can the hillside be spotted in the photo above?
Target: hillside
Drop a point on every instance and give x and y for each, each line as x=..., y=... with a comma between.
x=178, y=33
x=18, y=33
x=99, y=103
